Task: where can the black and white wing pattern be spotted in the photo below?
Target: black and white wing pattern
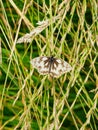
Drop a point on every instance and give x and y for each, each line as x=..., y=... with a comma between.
x=55, y=67
x=39, y=64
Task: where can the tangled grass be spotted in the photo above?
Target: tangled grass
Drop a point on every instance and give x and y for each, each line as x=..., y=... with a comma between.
x=66, y=29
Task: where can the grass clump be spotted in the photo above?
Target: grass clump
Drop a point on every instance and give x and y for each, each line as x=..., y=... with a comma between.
x=66, y=29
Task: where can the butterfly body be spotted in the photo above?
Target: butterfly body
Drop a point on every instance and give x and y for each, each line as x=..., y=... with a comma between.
x=50, y=65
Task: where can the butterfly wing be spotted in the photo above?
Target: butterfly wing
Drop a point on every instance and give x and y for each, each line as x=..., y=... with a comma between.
x=39, y=64
x=60, y=67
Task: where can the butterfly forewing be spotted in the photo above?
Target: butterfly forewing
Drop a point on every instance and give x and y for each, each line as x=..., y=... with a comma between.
x=39, y=64
x=60, y=68
x=50, y=65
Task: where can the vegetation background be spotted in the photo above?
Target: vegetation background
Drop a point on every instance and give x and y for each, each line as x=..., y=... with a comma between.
x=67, y=29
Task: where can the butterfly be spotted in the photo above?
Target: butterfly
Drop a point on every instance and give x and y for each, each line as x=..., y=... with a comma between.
x=55, y=67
